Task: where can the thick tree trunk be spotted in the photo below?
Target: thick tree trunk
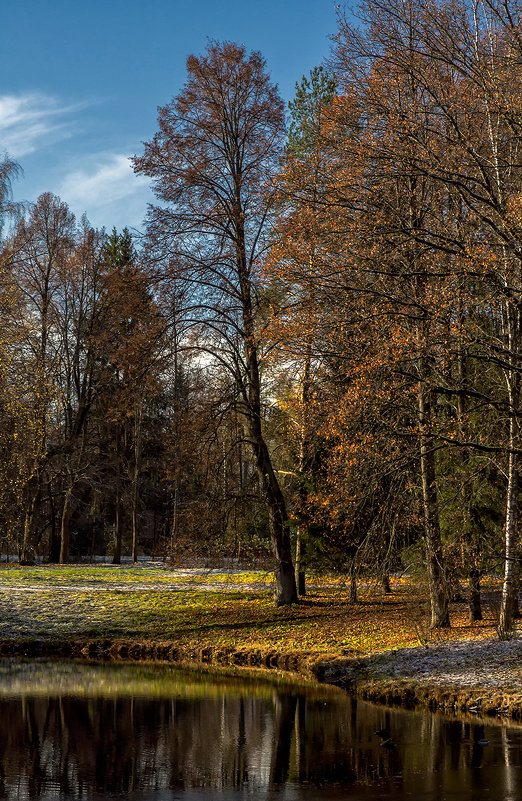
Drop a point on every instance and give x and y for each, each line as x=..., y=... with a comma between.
x=286, y=590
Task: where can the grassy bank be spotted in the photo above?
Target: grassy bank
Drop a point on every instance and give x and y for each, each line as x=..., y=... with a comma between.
x=381, y=645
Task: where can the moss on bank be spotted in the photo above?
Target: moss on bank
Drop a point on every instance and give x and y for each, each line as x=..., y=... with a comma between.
x=351, y=675
x=484, y=702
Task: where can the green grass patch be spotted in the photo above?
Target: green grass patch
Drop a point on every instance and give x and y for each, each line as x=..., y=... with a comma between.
x=219, y=610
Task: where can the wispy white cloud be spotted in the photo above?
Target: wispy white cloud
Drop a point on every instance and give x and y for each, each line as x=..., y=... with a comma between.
x=107, y=190
x=28, y=121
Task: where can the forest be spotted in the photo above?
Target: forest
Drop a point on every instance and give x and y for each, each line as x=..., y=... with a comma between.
x=310, y=358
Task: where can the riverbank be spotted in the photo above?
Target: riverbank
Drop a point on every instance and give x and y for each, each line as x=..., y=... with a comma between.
x=482, y=677
x=380, y=648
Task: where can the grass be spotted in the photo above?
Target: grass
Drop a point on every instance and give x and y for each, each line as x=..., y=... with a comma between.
x=218, y=611
x=207, y=620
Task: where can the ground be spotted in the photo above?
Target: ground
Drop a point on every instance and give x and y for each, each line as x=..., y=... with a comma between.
x=382, y=645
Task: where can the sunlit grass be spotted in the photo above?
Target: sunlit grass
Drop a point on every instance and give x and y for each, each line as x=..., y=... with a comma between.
x=71, y=602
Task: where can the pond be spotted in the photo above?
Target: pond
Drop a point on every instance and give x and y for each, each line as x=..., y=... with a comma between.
x=152, y=733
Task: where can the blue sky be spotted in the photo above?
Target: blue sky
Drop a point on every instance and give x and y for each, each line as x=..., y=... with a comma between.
x=82, y=79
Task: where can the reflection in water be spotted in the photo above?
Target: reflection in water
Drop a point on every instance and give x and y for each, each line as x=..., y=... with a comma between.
x=200, y=737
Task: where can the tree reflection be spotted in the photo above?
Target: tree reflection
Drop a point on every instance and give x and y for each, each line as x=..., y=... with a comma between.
x=285, y=708
x=66, y=745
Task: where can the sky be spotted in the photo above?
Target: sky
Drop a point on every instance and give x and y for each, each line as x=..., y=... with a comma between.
x=82, y=80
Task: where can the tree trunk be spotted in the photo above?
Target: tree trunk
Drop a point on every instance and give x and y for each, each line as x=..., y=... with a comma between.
x=65, y=527
x=54, y=539
x=437, y=574
x=304, y=453
x=27, y=554
x=436, y=569
x=512, y=548
x=286, y=590
x=27, y=551
x=300, y=576
x=135, y=482
x=353, y=584
x=174, y=525
x=118, y=516
x=511, y=571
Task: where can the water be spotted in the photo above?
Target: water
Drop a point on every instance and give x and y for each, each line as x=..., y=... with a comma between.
x=151, y=733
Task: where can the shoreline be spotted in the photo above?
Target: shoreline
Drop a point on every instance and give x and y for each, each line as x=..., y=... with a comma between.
x=379, y=649
x=393, y=677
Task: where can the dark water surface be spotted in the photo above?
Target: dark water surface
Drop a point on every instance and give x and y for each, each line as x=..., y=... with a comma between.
x=155, y=733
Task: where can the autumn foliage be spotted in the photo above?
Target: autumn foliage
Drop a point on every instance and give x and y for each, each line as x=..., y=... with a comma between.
x=313, y=355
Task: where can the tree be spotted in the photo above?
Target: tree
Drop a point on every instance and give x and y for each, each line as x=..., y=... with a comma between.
x=56, y=275
x=439, y=85
x=80, y=314
x=212, y=161
x=43, y=243
x=17, y=438
x=9, y=170
x=295, y=260
x=129, y=345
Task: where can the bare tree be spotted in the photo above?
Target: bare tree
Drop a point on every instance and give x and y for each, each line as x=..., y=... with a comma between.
x=212, y=160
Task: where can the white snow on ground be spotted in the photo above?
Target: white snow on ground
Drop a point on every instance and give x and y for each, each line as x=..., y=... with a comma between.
x=488, y=664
